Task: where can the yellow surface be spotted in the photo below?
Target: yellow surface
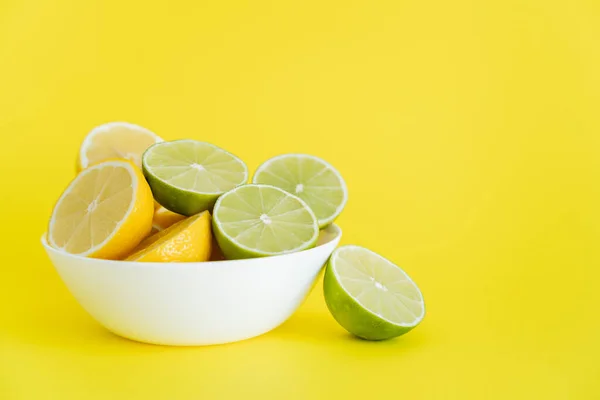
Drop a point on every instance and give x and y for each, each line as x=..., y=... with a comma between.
x=468, y=133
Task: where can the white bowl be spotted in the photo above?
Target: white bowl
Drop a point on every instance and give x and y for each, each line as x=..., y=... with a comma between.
x=189, y=304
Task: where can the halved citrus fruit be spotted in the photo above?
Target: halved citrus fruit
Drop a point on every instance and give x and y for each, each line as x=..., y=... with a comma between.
x=260, y=220
x=115, y=140
x=187, y=176
x=369, y=295
x=312, y=179
x=104, y=213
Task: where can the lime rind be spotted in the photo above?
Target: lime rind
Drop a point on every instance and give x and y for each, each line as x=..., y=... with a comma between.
x=191, y=180
x=295, y=182
x=280, y=208
x=356, y=313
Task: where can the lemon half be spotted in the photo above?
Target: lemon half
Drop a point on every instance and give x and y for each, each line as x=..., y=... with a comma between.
x=115, y=140
x=104, y=213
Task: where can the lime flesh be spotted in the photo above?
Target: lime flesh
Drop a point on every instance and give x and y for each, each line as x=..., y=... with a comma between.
x=313, y=180
x=369, y=296
x=261, y=220
x=187, y=176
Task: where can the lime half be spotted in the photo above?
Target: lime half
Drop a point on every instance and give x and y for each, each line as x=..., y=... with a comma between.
x=370, y=296
x=313, y=180
x=261, y=220
x=187, y=176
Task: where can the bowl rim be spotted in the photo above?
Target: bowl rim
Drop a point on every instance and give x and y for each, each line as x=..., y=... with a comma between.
x=337, y=231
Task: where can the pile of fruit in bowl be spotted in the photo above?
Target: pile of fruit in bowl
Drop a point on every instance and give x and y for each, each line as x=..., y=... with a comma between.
x=167, y=242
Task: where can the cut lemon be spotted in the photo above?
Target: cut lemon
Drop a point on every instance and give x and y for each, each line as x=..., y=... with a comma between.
x=104, y=213
x=369, y=295
x=164, y=218
x=185, y=241
x=115, y=140
x=187, y=176
x=313, y=180
x=260, y=220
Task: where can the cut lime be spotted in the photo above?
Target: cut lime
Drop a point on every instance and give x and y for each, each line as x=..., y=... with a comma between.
x=261, y=220
x=187, y=176
x=370, y=296
x=313, y=180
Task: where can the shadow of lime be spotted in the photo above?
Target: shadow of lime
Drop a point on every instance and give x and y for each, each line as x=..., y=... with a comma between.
x=320, y=326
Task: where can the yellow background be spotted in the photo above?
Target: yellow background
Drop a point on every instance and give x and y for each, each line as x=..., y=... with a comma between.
x=469, y=136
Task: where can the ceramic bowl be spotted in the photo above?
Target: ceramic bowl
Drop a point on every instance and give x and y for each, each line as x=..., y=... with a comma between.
x=190, y=304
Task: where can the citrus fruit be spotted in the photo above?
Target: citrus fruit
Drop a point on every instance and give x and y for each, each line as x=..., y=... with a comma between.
x=115, y=140
x=313, y=180
x=261, y=220
x=187, y=176
x=370, y=296
x=185, y=241
x=164, y=218
x=104, y=212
